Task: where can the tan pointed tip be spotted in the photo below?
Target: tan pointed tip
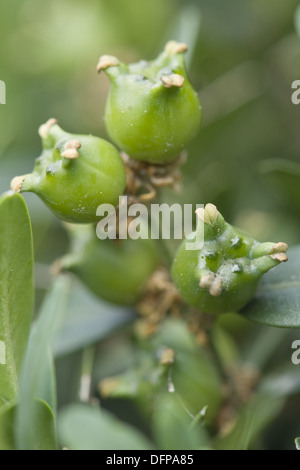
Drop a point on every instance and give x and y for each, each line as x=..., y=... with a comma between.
x=167, y=356
x=173, y=80
x=278, y=252
x=174, y=47
x=206, y=280
x=45, y=128
x=106, y=61
x=200, y=213
x=280, y=247
x=281, y=257
x=70, y=154
x=212, y=282
x=16, y=183
x=72, y=144
x=216, y=288
x=211, y=214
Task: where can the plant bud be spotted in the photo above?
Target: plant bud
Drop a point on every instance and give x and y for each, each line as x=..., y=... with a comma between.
x=152, y=110
x=223, y=275
x=115, y=270
x=74, y=174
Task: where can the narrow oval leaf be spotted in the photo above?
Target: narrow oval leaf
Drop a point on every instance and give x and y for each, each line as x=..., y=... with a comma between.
x=37, y=375
x=85, y=427
x=277, y=300
x=7, y=414
x=44, y=431
x=16, y=290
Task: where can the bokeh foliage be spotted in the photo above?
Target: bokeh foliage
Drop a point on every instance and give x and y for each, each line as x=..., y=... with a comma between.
x=243, y=59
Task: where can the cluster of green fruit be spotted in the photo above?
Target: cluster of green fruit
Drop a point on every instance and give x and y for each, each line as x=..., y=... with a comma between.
x=152, y=112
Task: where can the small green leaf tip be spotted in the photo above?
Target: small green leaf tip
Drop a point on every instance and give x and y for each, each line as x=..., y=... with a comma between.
x=223, y=274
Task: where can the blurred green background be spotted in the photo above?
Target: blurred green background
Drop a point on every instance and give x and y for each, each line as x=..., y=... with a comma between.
x=242, y=59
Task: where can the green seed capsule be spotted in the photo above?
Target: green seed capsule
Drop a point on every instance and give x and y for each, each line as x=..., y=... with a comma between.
x=74, y=174
x=115, y=270
x=223, y=275
x=152, y=110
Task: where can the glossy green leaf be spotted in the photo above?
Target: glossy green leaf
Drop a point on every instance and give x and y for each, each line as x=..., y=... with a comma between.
x=277, y=300
x=84, y=427
x=37, y=376
x=16, y=290
x=297, y=443
x=43, y=431
x=174, y=428
x=44, y=435
x=252, y=420
x=7, y=427
x=46, y=387
x=88, y=319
